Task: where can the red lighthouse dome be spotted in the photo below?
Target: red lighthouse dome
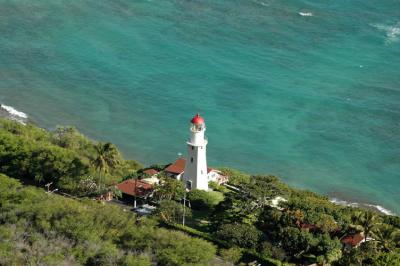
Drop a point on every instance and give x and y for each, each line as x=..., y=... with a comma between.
x=197, y=119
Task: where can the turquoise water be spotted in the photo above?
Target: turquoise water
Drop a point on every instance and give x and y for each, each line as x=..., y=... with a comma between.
x=313, y=99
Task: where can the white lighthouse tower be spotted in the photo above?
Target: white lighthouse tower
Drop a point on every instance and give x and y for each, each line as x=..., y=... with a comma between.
x=195, y=175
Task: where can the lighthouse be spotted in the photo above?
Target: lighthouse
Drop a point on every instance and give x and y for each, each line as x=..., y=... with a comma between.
x=195, y=175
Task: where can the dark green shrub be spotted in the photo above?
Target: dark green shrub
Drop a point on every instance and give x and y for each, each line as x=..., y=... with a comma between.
x=241, y=235
x=232, y=254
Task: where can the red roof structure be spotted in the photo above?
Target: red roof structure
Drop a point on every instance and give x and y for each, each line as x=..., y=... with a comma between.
x=197, y=119
x=209, y=170
x=150, y=172
x=135, y=187
x=178, y=167
x=353, y=240
x=306, y=226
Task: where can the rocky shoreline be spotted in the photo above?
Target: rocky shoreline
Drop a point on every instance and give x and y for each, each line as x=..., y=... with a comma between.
x=9, y=112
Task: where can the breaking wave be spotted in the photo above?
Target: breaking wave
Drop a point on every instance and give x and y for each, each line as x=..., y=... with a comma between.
x=365, y=205
x=381, y=209
x=392, y=32
x=14, y=114
x=306, y=14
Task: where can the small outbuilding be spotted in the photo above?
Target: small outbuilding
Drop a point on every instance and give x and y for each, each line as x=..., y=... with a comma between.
x=133, y=188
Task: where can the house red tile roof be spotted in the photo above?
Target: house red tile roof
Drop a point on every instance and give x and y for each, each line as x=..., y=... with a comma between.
x=308, y=226
x=135, y=187
x=150, y=171
x=178, y=167
x=353, y=239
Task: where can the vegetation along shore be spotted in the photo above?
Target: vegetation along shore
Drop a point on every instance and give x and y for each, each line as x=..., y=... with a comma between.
x=251, y=220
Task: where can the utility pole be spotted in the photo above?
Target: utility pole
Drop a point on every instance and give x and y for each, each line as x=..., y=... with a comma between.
x=184, y=209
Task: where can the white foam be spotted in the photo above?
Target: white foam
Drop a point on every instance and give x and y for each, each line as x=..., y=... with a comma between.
x=261, y=3
x=392, y=32
x=14, y=112
x=344, y=203
x=16, y=115
x=306, y=14
x=355, y=204
x=381, y=209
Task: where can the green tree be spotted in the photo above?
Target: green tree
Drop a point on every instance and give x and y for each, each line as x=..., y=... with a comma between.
x=169, y=189
x=176, y=249
x=327, y=249
x=232, y=255
x=297, y=242
x=387, y=237
x=236, y=178
x=386, y=259
x=241, y=235
x=172, y=211
x=368, y=222
x=107, y=157
x=37, y=228
x=135, y=260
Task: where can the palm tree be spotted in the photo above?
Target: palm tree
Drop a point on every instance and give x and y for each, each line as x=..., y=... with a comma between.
x=367, y=221
x=387, y=237
x=107, y=157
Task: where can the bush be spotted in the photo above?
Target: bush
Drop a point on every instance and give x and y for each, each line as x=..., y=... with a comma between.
x=204, y=200
x=236, y=177
x=172, y=211
x=215, y=186
x=136, y=260
x=241, y=235
x=63, y=157
x=271, y=251
x=175, y=249
x=47, y=229
x=231, y=255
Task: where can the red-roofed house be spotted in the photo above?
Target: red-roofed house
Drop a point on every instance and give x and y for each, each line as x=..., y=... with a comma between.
x=177, y=170
x=152, y=178
x=134, y=188
x=216, y=176
x=310, y=227
x=353, y=240
x=151, y=172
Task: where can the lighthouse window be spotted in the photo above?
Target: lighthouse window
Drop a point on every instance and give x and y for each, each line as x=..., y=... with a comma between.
x=191, y=160
x=192, y=148
x=201, y=171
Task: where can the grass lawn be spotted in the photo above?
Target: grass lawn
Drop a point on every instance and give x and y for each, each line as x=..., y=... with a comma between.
x=201, y=218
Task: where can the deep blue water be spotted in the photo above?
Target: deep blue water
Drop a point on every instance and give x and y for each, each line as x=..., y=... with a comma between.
x=313, y=99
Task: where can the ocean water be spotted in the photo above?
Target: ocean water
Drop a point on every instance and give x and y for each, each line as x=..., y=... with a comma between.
x=307, y=90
